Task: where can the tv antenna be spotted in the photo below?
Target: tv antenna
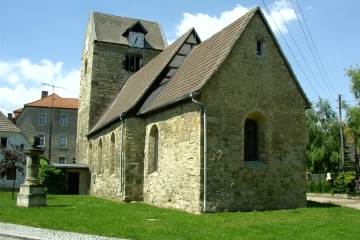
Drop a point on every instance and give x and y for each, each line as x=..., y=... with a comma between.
x=51, y=120
x=53, y=86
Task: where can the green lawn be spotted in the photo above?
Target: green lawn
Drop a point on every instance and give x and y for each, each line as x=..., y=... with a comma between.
x=91, y=215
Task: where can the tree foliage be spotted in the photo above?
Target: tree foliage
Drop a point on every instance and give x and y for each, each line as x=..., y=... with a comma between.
x=13, y=160
x=323, y=138
x=354, y=74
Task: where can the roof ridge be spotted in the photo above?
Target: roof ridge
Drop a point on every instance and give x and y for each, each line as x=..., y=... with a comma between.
x=112, y=15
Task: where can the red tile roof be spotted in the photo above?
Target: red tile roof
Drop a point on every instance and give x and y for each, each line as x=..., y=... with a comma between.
x=55, y=101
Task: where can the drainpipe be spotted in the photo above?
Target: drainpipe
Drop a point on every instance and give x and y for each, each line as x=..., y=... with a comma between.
x=122, y=119
x=205, y=145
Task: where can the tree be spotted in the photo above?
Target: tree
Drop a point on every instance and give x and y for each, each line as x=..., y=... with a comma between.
x=352, y=119
x=323, y=138
x=13, y=160
x=354, y=74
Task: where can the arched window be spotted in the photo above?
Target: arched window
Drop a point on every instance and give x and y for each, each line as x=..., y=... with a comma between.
x=100, y=158
x=89, y=157
x=112, y=154
x=251, y=140
x=153, y=150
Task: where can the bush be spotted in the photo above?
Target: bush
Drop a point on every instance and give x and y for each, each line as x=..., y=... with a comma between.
x=53, y=179
x=311, y=186
x=345, y=183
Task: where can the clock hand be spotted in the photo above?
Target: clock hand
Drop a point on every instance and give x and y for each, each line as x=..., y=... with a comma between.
x=135, y=40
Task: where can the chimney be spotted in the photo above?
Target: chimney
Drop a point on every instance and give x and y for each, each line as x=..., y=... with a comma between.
x=10, y=117
x=44, y=94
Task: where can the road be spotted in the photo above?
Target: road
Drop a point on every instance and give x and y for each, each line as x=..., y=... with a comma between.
x=340, y=200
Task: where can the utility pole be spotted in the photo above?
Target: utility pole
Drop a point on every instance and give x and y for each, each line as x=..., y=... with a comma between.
x=341, y=137
x=51, y=119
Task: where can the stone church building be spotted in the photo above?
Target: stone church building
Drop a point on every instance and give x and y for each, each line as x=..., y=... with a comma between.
x=197, y=126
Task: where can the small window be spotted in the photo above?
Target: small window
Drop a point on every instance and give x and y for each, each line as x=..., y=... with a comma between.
x=42, y=119
x=63, y=120
x=73, y=160
x=42, y=140
x=251, y=140
x=86, y=66
x=3, y=142
x=132, y=64
x=63, y=141
x=11, y=174
x=259, y=48
x=62, y=159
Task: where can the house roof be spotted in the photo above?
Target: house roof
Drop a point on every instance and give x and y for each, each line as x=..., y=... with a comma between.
x=136, y=86
x=191, y=75
x=113, y=29
x=55, y=101
x=205, y=59
x=6, y=125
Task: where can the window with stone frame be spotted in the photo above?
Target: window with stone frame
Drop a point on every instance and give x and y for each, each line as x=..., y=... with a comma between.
x=42, y=119
x=251, y=141
x=63, y=141
x=63, y=120
x=153, y=150
x=42, y=140
x=62, y=159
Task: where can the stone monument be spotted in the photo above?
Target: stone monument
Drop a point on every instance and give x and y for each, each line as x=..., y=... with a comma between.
x=32, y=192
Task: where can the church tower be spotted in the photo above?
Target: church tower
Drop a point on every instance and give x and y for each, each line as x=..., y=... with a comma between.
x=114, y=49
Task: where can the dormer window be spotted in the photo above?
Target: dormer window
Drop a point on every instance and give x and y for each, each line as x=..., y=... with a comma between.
x=136, y=35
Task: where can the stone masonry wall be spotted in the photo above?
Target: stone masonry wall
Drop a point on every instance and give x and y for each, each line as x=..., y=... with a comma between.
x=177, y=183
x=259, y=88
x=102, y=75
x=104, y=161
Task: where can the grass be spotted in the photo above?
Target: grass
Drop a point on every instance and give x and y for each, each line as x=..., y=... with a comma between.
x=91, y=215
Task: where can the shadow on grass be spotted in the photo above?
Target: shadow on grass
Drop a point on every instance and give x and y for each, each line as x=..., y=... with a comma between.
x=312, y=204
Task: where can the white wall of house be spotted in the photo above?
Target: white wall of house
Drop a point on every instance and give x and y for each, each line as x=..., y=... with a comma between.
x=16, y=138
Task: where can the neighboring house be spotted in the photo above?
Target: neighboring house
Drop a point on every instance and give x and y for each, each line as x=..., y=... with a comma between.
x=11, y=134
x=205, y=126
x=54, y=120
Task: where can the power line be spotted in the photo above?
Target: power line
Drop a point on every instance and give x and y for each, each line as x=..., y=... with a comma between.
x=300, y=51
x=314, y=46
x=290, y=49
x=311, y=48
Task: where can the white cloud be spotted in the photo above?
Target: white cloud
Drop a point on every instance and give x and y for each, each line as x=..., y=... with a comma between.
x=21, y=82
x=206, y=25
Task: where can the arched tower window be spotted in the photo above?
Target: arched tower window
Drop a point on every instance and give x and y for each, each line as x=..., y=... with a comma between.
x=251, y=140
x=153, y=152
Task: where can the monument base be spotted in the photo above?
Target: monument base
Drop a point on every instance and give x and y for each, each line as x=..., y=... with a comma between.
x=31, y=195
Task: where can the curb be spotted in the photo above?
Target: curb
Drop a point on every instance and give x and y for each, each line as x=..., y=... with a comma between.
x=346, y=196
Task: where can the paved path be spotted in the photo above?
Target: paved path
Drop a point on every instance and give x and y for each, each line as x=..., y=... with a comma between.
x=12, y=232
x=337, y=199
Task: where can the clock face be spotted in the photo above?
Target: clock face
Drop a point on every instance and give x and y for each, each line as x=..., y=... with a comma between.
x=136, y=39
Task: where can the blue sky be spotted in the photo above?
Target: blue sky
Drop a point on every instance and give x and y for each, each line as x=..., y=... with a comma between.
x=41, y=40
